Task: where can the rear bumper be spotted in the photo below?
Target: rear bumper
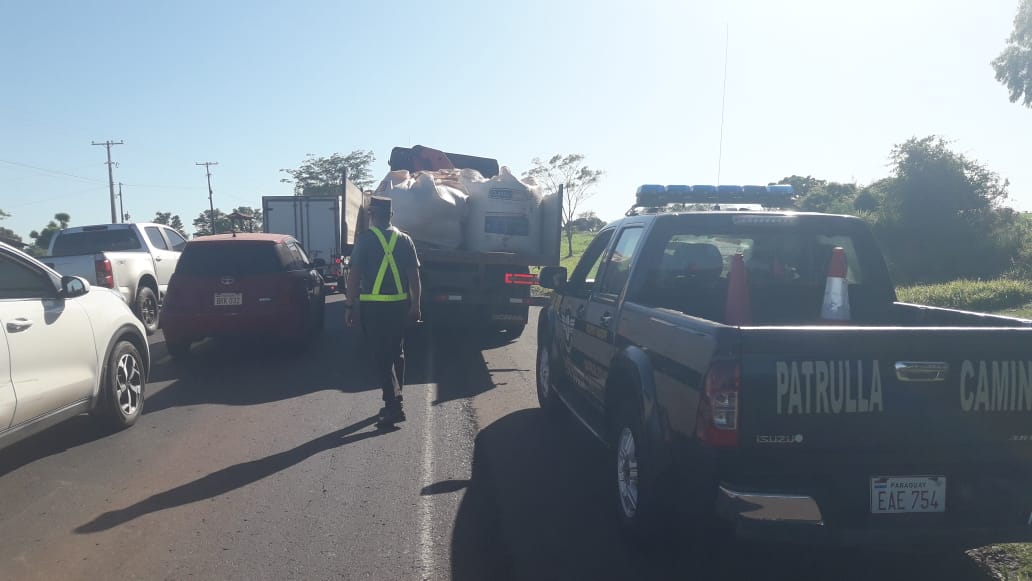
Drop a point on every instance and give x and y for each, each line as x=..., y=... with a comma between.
x=766, y=516
x=194, y=327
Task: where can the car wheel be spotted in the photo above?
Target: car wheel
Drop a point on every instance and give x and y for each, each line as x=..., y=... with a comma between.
x=123, y=387
x=548, y=399
x=146, y=309
x=178, y=349
x=638, y=497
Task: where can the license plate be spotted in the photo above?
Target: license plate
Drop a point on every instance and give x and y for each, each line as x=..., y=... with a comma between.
x=228, y=299
x=908, y=494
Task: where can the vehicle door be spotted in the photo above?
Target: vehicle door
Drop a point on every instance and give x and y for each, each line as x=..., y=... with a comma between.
x=595, y=327
x=304, y=271
x=572, y=307
x=50, y=341
x=165, y=258
x=7, y=399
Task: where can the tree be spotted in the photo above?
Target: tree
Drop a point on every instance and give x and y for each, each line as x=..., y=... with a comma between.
x=321, y=176
x=941, y=216
x=41, y=238
x=1014, y=65
x=588, y=222
x=578, y=181
x=256, y=216
x=202, y=223
x=168, y=219
x=6, y=234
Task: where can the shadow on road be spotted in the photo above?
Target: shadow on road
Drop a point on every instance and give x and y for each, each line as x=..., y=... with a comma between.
x=65, y=436
x=248, y=372
x=233, y=477
x=539, y=506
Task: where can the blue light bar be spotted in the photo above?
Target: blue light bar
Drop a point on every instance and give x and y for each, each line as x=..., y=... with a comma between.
x=655, y=195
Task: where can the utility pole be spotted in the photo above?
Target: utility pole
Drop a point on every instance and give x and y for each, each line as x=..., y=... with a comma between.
x=211, y=203
x=110, y=174
x=121, y=210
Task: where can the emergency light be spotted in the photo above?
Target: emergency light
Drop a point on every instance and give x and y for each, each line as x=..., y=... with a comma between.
x=656, y=196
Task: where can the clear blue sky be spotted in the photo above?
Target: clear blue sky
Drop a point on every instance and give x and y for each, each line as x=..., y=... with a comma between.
x=813, y=87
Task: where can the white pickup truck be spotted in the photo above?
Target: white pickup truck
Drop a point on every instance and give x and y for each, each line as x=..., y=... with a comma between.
x=137, y=260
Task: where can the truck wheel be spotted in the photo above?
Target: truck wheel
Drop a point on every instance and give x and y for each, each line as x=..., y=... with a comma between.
x=146, y=309
x=636, y=485
x=122, y=388
x=548, y=399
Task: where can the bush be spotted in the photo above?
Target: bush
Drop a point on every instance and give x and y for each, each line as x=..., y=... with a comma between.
x=970, y=295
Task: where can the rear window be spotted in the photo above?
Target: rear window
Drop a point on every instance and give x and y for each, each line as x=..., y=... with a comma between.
x=687, y=265
x=94, y=241
x=235, y=258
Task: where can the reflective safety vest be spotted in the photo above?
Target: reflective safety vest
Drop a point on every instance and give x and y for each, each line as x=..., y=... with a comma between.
x=388, y=262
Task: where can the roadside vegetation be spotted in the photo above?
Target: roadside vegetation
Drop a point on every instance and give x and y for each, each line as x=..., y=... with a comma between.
x=971, y=295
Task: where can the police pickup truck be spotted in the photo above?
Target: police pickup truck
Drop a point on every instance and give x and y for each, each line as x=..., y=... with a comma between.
x=755, y=366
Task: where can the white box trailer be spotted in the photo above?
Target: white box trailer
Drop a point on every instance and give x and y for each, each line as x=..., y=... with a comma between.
x=318, y=223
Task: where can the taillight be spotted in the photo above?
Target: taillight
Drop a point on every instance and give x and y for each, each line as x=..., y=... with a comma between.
x=517, y=278
x=103, y=269
x=717, y=423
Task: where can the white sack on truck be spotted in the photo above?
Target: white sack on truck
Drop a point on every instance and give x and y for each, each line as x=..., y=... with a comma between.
x=504, y=215
x=429, y=206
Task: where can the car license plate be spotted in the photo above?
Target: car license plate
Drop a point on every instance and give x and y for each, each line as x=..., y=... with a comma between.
x=228, y=299
x=908, y=494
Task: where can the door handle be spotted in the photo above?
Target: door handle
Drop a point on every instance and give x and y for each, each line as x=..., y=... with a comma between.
x=922, y=371
x=158, y=259
x=605, y=318
x=18, y=325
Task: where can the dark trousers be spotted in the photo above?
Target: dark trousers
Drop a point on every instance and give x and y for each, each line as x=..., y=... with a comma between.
x=384, y=327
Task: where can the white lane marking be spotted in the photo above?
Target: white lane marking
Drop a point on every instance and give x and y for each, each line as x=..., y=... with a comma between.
x=426, y=506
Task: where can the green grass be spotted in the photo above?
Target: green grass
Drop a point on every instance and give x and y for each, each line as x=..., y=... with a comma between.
x=1008, y=562
x=971, y=295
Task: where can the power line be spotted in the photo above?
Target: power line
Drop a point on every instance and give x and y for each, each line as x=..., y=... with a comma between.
x=111, y=176
x=51, y=171
x=211, y=201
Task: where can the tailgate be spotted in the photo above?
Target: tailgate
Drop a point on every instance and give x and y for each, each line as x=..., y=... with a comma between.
x=886, y=388
x=83, y=265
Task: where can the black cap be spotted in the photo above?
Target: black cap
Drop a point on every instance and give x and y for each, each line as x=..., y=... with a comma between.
x=380, y=203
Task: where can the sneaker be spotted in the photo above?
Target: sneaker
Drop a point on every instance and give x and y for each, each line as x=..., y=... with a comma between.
x=391, y=415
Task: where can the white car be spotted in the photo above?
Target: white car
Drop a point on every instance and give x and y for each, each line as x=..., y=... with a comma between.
x=65, y=349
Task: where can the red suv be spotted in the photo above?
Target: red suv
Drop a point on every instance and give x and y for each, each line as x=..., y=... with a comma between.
x=237, y=285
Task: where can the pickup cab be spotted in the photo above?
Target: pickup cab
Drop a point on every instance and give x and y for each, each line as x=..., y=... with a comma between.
x=727, y=392
x=137, y=260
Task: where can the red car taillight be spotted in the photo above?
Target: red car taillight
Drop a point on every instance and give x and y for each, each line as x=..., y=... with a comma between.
x=717, y=423
x=103, y=269
x=517, y=278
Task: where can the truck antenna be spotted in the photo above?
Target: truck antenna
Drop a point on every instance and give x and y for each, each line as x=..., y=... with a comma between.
x=723, y=102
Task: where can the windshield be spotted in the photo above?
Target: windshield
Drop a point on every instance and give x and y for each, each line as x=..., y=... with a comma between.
x=235, y=258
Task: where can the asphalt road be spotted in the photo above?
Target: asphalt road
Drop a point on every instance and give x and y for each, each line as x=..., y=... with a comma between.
x=252, y=464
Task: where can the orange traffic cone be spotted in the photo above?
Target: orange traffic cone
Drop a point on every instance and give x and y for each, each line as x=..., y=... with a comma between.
x=738, y=310
x=836, y=289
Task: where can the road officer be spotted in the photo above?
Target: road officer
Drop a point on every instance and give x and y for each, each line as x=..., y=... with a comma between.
x=383, y=290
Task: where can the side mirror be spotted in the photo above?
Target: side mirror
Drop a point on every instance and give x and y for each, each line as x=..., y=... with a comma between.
x=552, y=277
x=318, y=263
x=73, y=286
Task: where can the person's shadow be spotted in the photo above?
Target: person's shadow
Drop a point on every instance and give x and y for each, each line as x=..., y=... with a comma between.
x=233, y=477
